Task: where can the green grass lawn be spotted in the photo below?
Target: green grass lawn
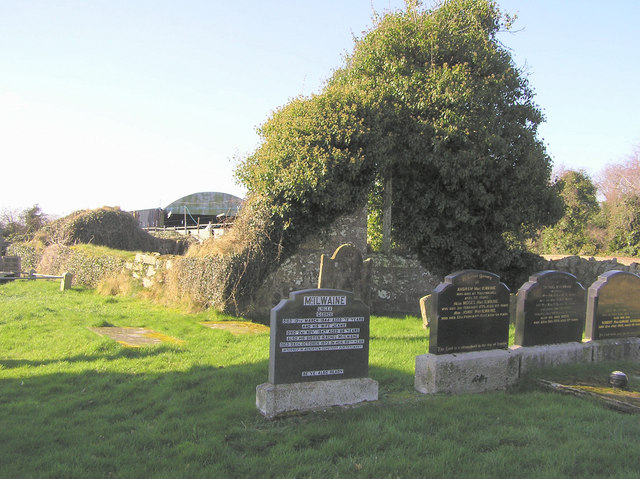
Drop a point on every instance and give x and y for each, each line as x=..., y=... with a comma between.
x=76, y=404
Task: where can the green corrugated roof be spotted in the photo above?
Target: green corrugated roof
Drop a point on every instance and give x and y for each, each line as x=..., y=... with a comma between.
x=207, y=203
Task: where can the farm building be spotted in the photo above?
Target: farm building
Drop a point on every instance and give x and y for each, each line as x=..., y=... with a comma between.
x=197, y=209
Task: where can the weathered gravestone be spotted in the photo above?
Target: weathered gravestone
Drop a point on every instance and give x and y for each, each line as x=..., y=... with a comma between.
x=319, y=353
x=613, y=306
x=346, y=270
x=550, y=309
x=469, y=312
x=425, y=308
x=10, y=265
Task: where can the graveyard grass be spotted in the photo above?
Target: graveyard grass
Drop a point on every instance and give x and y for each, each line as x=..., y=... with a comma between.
x=76, y=404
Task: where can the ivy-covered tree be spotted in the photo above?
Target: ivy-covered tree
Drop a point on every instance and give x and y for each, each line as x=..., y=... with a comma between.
x=624, y=225
x=429, y=110
x=571, y=234
x=451, y=121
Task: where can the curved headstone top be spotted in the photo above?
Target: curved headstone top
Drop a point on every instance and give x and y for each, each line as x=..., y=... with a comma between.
x=613, y=306
x=470, y=312
x=550, y=309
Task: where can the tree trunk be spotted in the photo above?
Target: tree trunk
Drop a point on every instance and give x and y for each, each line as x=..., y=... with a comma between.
x=386, y=213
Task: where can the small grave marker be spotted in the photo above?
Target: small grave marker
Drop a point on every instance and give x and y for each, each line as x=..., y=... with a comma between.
x=237, y=327
x=550, y=309
x=613, y=306
x=135, y=337
x=469, y=312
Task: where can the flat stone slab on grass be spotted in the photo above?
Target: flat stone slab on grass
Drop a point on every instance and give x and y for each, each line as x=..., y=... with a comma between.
x=614, y=398
x=237, y=327
x=135, y=337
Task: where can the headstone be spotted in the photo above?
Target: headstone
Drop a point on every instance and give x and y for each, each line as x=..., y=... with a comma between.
x=425, y=307
x=469, y=312
x=319, y=354
x=346, y=270
x=613, y=306
x=65, y=282
x=317, y=335
x=11, y=264
x=550, y=309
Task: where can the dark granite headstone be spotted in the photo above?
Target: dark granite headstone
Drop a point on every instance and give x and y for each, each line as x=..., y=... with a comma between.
x=550, y=309
x=319, y=335
x=613, y=306
x=469, y=312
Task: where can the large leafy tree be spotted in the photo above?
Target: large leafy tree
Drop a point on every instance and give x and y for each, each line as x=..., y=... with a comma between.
x=430, y=111
x=453, y=125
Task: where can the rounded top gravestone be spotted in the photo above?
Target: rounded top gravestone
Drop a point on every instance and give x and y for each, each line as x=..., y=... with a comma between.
x=550, y=309
x=470, y=312
x=613, y=306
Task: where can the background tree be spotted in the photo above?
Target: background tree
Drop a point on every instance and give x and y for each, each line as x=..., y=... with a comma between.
x=619, y=184
x=571, y=234
x=621, y=179
x=624, y=225
x=20, y=225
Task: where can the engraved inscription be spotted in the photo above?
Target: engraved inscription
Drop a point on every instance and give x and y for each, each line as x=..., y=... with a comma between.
x=318, y=335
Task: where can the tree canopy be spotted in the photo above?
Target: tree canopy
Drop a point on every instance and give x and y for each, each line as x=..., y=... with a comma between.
x=433, y=101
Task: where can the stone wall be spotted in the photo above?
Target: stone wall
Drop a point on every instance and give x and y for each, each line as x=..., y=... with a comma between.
x=398, y=283
x=301, y=270
x=586, y=270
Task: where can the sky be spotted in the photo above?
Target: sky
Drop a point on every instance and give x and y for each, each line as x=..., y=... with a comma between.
x=136, y=103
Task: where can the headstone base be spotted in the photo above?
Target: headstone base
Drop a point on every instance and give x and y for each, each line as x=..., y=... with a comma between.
x=549, y=355
x=273, y=400
x=625, y=349
x=471, y=372
x=482, y=371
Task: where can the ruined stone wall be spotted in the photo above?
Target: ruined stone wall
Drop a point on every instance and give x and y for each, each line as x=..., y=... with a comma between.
x=398, y=283
x=300, y=271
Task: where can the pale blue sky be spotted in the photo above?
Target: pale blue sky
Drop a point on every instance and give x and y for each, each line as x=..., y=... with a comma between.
x=135, y=103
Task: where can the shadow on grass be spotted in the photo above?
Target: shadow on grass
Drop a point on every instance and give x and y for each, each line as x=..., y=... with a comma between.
x=131, y=353
x=127, y=424
x=101, y=423
x=202, y=422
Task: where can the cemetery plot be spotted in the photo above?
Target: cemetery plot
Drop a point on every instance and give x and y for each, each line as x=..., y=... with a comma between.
x=237, y=327
x=470, y=312
x=613, y=306
x=318, y=335
x=595, y=385
x=550, y=310
x=135, y=337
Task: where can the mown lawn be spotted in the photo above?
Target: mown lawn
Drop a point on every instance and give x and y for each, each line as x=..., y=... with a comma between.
x=76, y=404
